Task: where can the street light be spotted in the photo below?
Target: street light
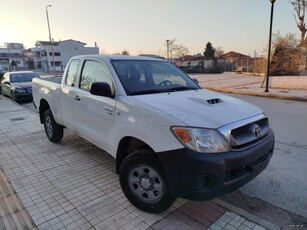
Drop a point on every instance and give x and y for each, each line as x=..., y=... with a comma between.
x=167, y=49
x=50, y=40
x=269, y=52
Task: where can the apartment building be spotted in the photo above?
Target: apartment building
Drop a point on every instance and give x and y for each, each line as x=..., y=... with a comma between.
x=12, y=56
x=47, y=62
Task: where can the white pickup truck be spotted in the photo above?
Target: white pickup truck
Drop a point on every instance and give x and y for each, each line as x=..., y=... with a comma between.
x=170, y=138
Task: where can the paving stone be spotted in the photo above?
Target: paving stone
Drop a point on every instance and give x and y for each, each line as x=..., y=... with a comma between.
x=74, y=185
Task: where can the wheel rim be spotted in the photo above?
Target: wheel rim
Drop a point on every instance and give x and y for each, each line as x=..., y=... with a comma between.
x=49, y=129
x=146, y=183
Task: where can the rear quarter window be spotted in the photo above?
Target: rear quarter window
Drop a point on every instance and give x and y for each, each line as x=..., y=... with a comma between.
x=72, y=72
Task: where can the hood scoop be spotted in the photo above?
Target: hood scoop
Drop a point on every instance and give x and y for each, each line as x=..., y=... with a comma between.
x=214, y=101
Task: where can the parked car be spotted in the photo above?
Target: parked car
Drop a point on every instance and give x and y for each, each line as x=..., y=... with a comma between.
x=18, y=85
x=2, y=72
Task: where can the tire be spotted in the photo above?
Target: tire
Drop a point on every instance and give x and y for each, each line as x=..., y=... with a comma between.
x=53, y=130
x=143, y=182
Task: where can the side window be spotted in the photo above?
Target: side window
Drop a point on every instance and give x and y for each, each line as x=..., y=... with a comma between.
x=72, y=72
x=94, y=71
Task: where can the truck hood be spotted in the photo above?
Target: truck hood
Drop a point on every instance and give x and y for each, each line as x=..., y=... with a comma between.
x=201, y=108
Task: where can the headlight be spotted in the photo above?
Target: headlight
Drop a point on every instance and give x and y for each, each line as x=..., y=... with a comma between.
x=201, y=140
x=20, y=90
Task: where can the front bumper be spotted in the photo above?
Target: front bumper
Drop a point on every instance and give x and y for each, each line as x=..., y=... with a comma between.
x=204, y=176
x=23, y=97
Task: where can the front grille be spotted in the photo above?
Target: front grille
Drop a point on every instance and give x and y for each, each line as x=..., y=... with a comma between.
x=246, y=128
x=238, y=147
x=245, y=136
x=236, y=173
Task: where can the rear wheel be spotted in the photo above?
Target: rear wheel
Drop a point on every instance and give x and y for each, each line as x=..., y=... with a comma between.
x=53, y=130
x=143, y=182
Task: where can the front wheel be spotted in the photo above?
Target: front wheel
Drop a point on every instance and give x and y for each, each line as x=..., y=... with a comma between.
x=143, y=182
x=53, y=130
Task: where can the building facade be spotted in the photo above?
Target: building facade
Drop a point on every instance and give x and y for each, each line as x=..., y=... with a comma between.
x=53, y=57
x=12, y=56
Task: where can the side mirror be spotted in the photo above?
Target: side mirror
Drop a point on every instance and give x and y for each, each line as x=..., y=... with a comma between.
x=196, y=80
x=101, y=89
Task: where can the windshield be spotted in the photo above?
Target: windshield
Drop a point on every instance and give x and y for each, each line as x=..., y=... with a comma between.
x=145, y=77
x=22, y=77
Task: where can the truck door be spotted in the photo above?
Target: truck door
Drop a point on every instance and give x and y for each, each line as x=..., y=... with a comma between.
x=94, y=115
x=68, y=92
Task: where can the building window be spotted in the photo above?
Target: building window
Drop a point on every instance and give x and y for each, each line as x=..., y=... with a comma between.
x=57, y=63
x=4, y=62
x=57, y=54
x=39, y=65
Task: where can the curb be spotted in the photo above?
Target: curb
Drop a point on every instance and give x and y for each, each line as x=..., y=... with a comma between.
x=259, y=94
x=247, y=215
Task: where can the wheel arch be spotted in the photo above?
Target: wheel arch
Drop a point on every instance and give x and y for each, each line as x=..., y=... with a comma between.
x=127, y=146
x=43, y=106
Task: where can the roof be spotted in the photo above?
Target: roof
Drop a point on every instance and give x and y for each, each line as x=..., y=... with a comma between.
x=48, y=43
x=71, y=40
x=152, y=55
x=119, y=57
x=233, y=54
x=13, y=72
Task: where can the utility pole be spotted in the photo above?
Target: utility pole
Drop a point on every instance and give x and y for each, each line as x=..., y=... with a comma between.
x=167, y=49
x=269, y=52
x=50, y=40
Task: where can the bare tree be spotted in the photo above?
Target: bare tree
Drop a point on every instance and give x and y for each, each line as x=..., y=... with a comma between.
x=176, y=50
x=219, y=52
x=286, y=55
x=300, y=9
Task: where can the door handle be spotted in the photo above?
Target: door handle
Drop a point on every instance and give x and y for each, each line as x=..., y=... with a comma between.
x=109, y=111
x=77, y=98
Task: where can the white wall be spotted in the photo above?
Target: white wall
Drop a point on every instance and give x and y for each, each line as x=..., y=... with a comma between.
x=289, y=82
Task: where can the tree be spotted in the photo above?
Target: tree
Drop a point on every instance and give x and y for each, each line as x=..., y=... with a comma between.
x=125, y=52
x=176, y=50
x=286, y=55
x=219, y=52
x=209, y=51
x=300, y=9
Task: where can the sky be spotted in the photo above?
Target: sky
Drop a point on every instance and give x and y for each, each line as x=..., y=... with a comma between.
x=143, y=26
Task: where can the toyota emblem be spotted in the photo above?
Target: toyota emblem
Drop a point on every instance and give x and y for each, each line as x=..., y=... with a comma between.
x=256, y=130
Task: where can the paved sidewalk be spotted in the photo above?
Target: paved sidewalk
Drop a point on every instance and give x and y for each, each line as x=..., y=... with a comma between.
x=73, y=185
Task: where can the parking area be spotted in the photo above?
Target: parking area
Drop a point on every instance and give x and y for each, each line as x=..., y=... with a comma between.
x=73, y=185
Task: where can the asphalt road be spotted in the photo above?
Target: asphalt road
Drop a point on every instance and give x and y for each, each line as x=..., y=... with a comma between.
x=283, y=183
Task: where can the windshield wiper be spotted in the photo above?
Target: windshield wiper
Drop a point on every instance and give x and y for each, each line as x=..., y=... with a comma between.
x=152, y=91
x=147, y=91
x=181, y=88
